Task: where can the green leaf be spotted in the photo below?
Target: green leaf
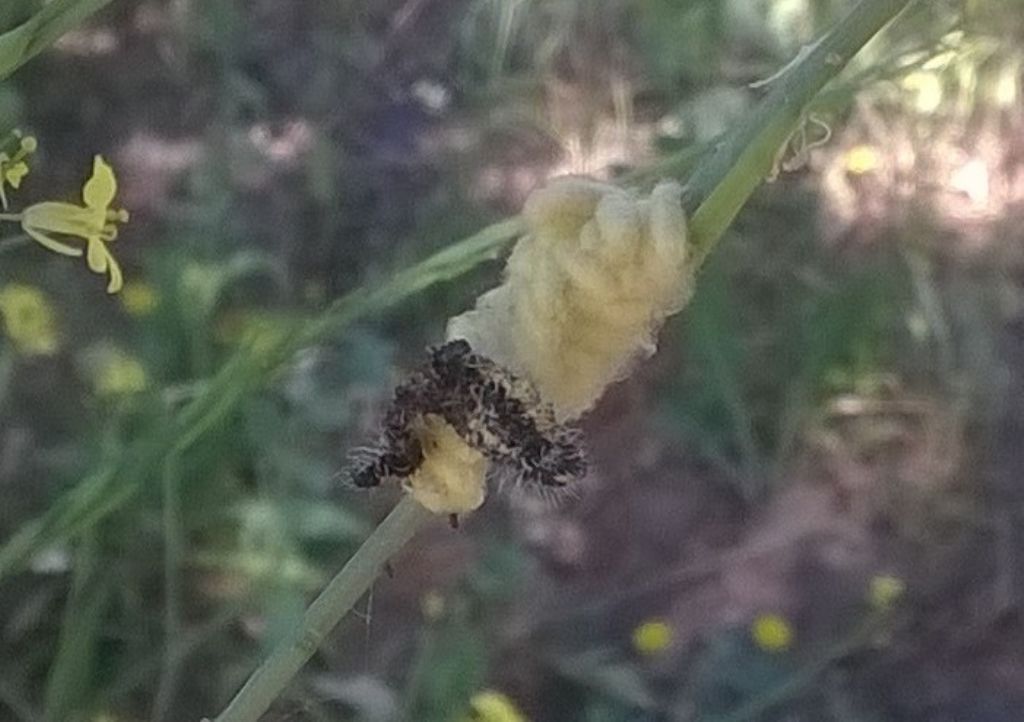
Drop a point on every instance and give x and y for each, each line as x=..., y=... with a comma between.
x=14, y=45
x=15, y=12
x=42, y=30
x=70, y=683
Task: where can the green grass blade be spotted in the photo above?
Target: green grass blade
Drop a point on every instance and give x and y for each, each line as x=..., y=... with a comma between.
x=24, y=42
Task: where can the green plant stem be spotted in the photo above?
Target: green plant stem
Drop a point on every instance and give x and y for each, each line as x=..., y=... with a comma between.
x=174, y=552
x=70, y=680
x=271, y=678
x=42, y=30
x=724, y=180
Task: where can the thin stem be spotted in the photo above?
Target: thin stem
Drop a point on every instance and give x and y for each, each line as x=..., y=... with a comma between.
x=724, y=180
x=13, y=217
x=333, y=603
x=173, y=554
x=46, y=26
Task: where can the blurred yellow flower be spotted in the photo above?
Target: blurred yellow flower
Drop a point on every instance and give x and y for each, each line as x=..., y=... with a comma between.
x=492, y=706
x=95, y=222
x=14, y=168
x=652, y=637
x=259, y=331
x=772, y=633
x=861, y=159
x=432, y=605
x=885, y=591
x=927, y=90
x=139, y=298
x=28, y=320
x=119, y=374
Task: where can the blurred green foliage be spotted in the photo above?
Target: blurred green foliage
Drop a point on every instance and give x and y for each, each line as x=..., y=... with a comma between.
x=318, y=168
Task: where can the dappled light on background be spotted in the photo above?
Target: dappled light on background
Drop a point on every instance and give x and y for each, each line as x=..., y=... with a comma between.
x=153, y=165
x=88, y=43
x=965, y=174
x=972, y=180
x=283, y=144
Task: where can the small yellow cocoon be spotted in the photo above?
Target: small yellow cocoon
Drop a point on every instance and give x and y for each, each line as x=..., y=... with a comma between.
x=585, y=290
x=451, y=477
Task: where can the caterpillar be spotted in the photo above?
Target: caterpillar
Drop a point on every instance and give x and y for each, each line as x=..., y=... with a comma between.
x=491, y=410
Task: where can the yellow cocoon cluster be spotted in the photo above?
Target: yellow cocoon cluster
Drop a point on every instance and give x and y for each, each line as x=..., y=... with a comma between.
x=584, y=293
x=585, y=290
x=451, y=479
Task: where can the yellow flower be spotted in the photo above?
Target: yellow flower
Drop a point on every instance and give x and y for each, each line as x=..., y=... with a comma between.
x=885, y=591
x=652, y=637
x=29, y=320
x=861, y=159
x=14, y=168
x=95, y=222
x=119, y=374
x=491, y=706
x=772, y=633
x=432, y=605
x=139, y=298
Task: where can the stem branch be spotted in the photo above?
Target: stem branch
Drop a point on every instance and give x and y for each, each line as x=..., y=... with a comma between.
x=271, y=678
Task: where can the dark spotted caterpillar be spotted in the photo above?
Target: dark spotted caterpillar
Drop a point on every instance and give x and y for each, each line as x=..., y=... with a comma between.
x=492, y=410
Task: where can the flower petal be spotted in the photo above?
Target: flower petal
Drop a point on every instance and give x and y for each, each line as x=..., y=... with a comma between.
x=100, y=260
x=63, y=218
x=15, y=173
x=116, y=279
x=100, y=189
x=96, y=256
x=50, y=244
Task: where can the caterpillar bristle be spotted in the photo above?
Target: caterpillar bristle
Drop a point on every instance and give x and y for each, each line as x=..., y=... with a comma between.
x=492, y=410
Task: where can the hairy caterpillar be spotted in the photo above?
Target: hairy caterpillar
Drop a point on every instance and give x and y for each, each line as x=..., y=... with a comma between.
x=460, y=396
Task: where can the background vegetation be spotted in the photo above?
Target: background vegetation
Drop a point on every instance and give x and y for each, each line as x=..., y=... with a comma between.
x=806, y=506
